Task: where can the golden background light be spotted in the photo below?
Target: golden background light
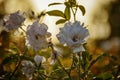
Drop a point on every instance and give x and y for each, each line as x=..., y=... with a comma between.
x=96, y=18
x=99, y=27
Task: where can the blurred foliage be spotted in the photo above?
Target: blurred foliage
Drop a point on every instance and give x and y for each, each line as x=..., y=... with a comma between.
x=94, y=65
x=71, y=7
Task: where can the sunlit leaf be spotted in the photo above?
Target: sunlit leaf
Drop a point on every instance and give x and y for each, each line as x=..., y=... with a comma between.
x=85, y=63
x=67, y=13
x=56, y=13
x=67, y=4
x=98, y=58
x=56, y=3
x=72, y=3
x=82, y=9
x=60, y=21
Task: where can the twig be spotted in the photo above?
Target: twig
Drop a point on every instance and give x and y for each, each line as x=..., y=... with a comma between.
x=64, y=69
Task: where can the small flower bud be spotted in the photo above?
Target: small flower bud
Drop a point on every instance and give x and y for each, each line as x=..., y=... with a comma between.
x=39, y=59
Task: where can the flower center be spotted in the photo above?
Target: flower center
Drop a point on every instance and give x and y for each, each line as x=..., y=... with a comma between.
x=75, y=38
x=37, y=37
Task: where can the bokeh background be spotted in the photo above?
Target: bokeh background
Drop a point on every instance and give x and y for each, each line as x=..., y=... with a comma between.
x=102, y=18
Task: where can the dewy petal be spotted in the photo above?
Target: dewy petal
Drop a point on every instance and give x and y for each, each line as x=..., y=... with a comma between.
x=73, y=35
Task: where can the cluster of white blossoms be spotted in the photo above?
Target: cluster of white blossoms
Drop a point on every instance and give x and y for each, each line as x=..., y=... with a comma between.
x=14, y=20
x=36, y=36
x=74, y=35
x=29, y=68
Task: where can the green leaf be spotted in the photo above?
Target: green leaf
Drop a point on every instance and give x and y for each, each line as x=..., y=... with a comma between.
x=67, y=4
x=56, y=13
x=66, y=78
x=75, y=59
x=104, y=76
x=11, y=58
x=24, y=57
x=56, y=3
x=67, y=13
x=98, y=58
x=84, y=74
x=72, y=3
x=60, y=21
x=55, y=66
x=82, y=9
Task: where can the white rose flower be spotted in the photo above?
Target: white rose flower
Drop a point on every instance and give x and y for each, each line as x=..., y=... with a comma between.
x=28, y=68
x=14, y=20
x=37, y=36
x=39, y=59
x=73, y=35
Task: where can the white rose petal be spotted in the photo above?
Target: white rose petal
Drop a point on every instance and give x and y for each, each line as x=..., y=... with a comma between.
x=36, y=36
x=14, y=20
x=73, y=35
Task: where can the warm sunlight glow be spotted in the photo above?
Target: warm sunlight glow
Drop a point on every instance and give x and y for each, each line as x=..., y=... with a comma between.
x=91, y=6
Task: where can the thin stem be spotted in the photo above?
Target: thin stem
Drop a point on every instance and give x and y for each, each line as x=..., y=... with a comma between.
x=73, y=14
x=18, y=65
x=15, y=70
x=48, y=76
x=64, y=69
x=39, y=74
x=72, y=63
x=79, y=64
x=79, y=67
x=44, y=76
x=22, y=29
x=51, y=45
x=75, y=11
